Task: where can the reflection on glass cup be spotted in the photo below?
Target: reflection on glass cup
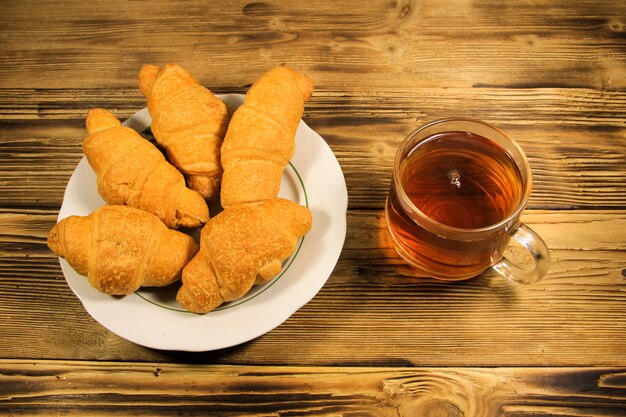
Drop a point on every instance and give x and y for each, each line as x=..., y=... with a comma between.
x=458, y=189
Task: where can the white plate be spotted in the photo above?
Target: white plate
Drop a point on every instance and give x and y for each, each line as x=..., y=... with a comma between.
x=153, y=318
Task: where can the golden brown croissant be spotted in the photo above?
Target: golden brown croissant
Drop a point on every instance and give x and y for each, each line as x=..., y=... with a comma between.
x=242, y=246
x=260, y=138
x=189, y=122
x=131, y=171
x=120, y=249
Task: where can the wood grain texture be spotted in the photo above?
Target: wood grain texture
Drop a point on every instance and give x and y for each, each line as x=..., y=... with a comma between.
x=94, y=389
x=575, y=139
x=402, y=43
x=575, y=316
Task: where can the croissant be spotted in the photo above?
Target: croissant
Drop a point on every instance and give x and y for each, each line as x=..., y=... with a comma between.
x=120, y=249
x=132, y=171
x=259, y=141
x=242, y=246
x=189, y=122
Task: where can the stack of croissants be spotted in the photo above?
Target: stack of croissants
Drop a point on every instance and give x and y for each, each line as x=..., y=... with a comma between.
x=205, y=154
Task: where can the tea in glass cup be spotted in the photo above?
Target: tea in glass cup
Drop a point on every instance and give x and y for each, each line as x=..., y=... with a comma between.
x=458, y=189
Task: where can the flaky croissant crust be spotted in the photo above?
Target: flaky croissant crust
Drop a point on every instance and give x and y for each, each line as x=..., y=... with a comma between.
x=120, y=249
x=260, y=139
x=242, y=246
x=189, y=122
x=131, y=171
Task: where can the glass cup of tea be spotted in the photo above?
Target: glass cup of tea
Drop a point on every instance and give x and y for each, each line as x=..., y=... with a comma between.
x=458, y=189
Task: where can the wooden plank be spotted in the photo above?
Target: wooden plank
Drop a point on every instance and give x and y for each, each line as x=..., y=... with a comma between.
x=575, y=139
x=38, y=387
x=575, y=316
x=522, y=107
x=380, y=43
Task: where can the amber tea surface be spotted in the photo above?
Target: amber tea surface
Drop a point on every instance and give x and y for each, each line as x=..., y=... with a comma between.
x=462, y=180
x=458, y=179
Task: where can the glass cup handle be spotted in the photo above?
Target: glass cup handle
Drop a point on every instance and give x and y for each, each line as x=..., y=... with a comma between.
x=539, y=251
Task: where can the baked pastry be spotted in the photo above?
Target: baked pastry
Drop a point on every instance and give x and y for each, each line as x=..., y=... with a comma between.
x=259, y=141
x=132, y=171
x=189, y=122
x=242, y=246
x=121, y=248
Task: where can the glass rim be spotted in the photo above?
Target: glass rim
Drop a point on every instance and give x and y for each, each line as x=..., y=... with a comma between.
x=443, y=229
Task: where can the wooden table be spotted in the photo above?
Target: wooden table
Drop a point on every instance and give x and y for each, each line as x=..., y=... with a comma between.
x=375, y=340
